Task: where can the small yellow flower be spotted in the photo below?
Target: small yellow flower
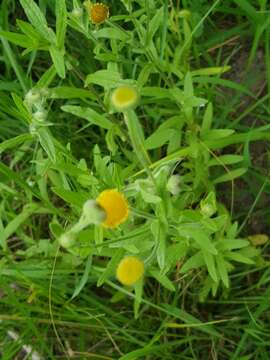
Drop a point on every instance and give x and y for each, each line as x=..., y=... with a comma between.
x=99, y=13
x=130, y=270
x=115, y=206
x=124, y=97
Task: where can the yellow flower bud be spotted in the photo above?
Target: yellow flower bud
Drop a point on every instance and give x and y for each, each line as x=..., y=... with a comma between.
x=115, y=206
x=124, y=97
x=130, y=270
x=258, y=239
x=99, y=13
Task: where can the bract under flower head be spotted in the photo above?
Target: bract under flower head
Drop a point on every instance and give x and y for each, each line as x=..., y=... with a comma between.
x=99, y=13
x=130, y=270
x=115, y=206
x=124, y=97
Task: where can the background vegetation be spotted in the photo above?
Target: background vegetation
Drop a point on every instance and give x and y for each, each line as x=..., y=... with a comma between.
x=202, y=69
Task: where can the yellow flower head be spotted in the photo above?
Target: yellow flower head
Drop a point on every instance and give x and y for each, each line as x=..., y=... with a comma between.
x=115, y=206
x=99, y=13
x=130, y=270
x=124, y=97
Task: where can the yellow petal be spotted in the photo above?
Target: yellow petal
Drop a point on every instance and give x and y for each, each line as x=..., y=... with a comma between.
x=130, y=270
x=115, y=206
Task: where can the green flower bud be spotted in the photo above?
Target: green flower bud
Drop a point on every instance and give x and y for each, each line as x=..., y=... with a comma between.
x=173, y=184
x=77, y=13
x=33, y=129
x=208, y=205
x=67, y=240
x=92, y=213
x=44, y=92
x=40, y=115
x=32, y=97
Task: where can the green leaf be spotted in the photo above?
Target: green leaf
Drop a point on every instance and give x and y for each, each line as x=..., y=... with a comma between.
x=61, y=22
x=28, y=30
x=137, y=138
x=211, y=71
x=14, y=142
x=145, y=74
x=71, y=197
x=13, y=225
x=239, y=258
x=18, y=39
x=210, y=263
x=231, y=244
x=216, y=134
x=224, y=83
x=111, y=267
x=37, y=19
x=58, y=61
x=174, y=254
x=89, y=114
x=230, y=176
x=199, y=236
x=84, y=278
x=162, y=279
x=222, y=269
x=159, y=232
x=112, y=33
x=188, y=86
x=46, y=141
x=159, y=138
x=99, y=236
x=69, y=92
x=104, y=78
x=250, y=11
x=46, y=78
x=12, y=175
x=25, y=114
x=194, y=101
x=225, y=160
x=207, y=119
x=194, y=262
x=189, y=319
x=138, y=288
x=156, y=92
x=154, y=24
x=148, y=194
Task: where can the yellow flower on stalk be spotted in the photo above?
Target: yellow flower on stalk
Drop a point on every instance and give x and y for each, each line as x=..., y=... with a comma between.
x=115, y=206
x=124, y=97
x=99, y=13
x=130, y=270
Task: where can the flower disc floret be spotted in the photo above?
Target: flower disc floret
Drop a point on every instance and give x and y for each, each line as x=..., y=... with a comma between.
x=130, y=270
x=124, y=97
x=99, y=13
x=115, y=206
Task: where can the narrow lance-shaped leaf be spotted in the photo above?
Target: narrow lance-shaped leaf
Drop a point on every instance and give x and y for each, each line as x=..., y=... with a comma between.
x=84, y=278
x=58, y=61
x=137, y=138
x=61, y=22
x=37, y=19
